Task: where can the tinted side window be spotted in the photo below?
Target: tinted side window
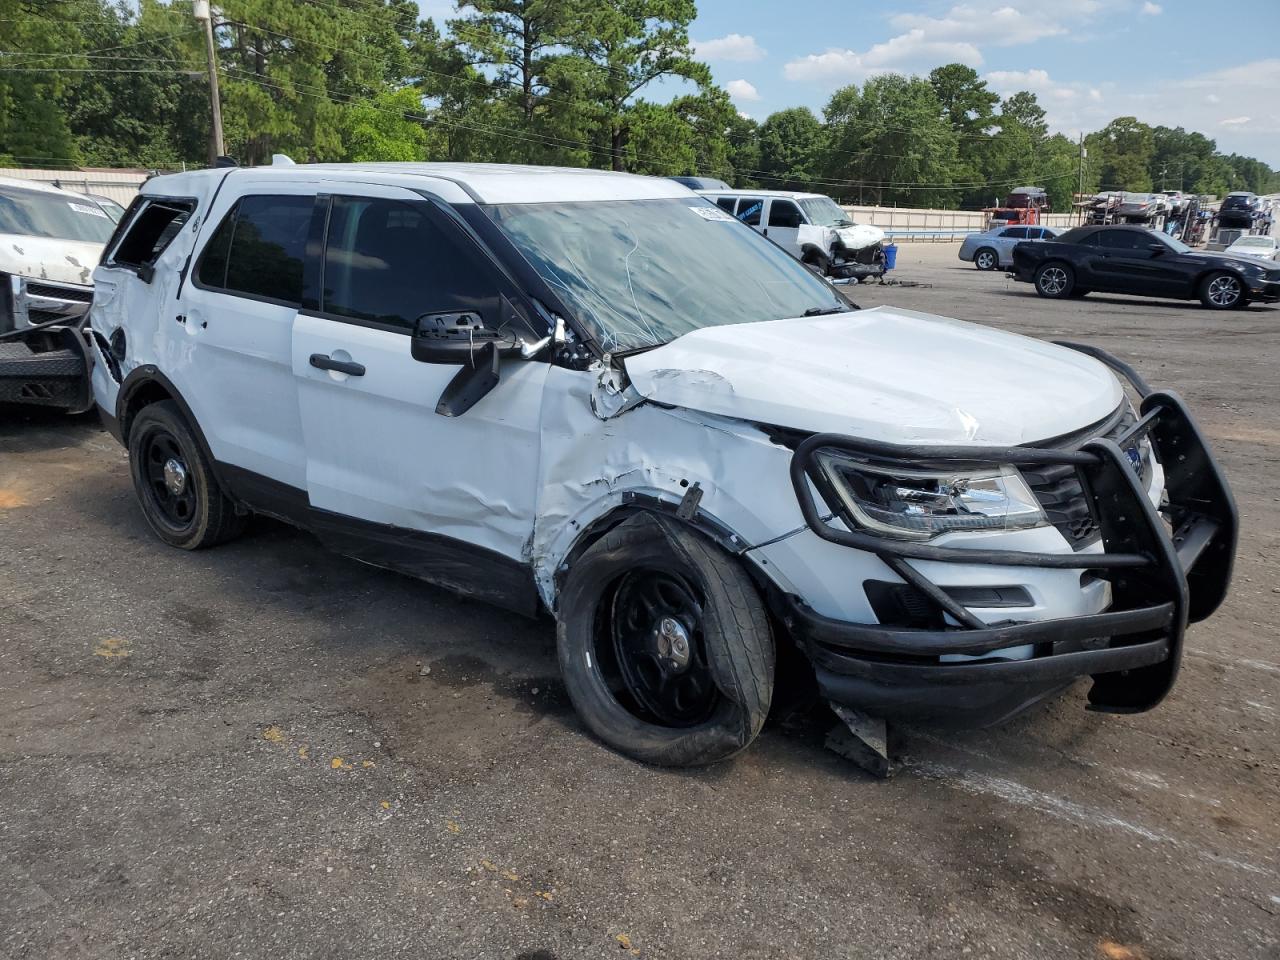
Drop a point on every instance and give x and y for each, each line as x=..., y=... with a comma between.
x=1123, y=240
x=389, y=262
x=1015, y=233
x=749, y=210
x=267, y=247
x=784, y=213
x=212, y=271
x=726, y=203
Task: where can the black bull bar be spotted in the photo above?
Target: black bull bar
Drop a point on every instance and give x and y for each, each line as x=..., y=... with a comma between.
x=1159, y=581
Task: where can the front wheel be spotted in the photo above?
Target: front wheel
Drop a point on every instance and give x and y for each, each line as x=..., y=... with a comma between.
x=1222, y=291
x=665, y=645
x=1055, y=280
x=986, y=259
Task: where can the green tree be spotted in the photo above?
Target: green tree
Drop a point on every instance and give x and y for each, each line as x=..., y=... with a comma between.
x=617, y=49
x=890, y=142
x=790, y=149
x=47, y=41
x=386, y=128
x=1123, y=151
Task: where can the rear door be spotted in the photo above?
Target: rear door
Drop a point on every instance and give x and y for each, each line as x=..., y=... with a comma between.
x=1007, y=239
x=389, y=479
x=784, y=222
x=237, y=311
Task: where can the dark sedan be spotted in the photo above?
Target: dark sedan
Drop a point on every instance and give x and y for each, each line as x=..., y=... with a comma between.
x=1128, y=259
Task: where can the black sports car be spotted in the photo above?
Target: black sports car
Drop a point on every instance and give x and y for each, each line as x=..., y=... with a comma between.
x=1129, y=259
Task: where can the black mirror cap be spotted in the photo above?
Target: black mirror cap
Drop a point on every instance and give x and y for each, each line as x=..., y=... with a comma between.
x=456, y=338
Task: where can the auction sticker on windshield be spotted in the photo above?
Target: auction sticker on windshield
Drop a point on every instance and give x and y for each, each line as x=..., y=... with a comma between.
x=709, y=212
x=85, y=208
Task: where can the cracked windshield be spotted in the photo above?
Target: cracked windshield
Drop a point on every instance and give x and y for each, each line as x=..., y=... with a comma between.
x=639, y=273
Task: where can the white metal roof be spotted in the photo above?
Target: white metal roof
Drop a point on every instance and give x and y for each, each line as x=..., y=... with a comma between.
x=747, y=192
x=35, y=185
x=462, y=182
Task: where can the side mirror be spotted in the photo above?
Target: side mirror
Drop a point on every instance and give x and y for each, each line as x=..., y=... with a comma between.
x=458, y=339
x=1156, y=249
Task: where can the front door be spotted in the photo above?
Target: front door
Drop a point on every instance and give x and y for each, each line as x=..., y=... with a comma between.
x=1130, y=265
x=784, y=222
x=389, y=480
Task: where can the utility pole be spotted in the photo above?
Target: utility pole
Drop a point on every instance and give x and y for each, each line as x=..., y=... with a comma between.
x=1083, y=153
x=216, y=147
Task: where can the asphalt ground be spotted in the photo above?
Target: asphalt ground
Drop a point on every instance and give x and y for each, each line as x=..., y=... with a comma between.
x=268, y=751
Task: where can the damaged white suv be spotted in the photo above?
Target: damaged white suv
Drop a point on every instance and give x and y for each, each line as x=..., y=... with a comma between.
x=601, y=396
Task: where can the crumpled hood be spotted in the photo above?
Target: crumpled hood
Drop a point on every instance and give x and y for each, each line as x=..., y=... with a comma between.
x=860, y=235
x=882, y=374
x=42, y=258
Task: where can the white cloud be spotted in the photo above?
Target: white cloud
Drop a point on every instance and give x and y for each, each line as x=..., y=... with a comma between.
x=955, y=37
x=742, y=90
x=1150, y=9
x=1251, y=127
x=997, y=23
x=734, y=47
x=911, y=50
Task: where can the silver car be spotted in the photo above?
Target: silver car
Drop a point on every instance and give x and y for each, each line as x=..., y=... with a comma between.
x=994, y=248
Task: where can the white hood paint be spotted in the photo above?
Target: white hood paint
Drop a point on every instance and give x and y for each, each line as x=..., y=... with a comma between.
x=860, y=235
x=42, y=258
x=882, y=374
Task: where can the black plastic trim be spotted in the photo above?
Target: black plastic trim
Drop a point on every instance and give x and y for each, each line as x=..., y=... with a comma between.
x=456, y=565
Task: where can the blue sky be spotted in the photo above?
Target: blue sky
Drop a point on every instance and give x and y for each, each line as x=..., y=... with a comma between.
x=1207, y=66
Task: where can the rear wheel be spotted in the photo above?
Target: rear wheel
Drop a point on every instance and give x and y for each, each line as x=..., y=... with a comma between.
x=179, y=495
x=1055, y=280
x=986, y=259
x=664, y=645
x=1222, y=291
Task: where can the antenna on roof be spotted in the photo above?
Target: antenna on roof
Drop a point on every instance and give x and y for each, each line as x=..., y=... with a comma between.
x=282, y=160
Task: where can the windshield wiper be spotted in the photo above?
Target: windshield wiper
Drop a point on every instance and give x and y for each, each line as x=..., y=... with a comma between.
x=823, y=311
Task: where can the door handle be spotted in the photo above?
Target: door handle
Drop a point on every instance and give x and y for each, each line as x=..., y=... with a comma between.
x=322, y=361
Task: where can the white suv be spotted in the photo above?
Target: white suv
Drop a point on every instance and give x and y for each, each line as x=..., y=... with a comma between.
x=601, y=396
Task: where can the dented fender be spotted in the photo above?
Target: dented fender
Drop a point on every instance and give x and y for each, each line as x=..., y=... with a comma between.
x=648, y=454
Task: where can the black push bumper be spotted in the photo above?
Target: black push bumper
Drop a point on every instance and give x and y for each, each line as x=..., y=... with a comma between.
x=46, y=367
x=1159, y=582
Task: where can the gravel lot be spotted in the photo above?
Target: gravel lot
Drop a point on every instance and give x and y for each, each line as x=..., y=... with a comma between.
x=268, y=751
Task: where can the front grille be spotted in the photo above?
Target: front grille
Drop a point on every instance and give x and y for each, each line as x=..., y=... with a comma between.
x=1060, y=487
x=79, y=294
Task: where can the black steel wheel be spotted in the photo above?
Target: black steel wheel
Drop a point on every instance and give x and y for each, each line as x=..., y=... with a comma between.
x=169, y=486
x=664, y=644
x=178, y=493
x=656, y=640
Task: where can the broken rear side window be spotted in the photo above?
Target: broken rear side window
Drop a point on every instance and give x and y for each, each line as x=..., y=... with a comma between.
x=151, y=231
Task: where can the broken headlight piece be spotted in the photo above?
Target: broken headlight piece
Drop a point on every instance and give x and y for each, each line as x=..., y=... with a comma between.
x=911, y=504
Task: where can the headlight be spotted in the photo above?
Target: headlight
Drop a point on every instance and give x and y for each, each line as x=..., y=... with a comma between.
x=922, y=504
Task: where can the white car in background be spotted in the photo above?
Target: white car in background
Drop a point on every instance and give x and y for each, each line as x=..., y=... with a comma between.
x=811, y=227
x=1260, y=248
x=994, y=247
x=50, y=241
